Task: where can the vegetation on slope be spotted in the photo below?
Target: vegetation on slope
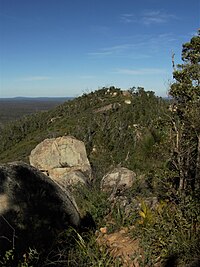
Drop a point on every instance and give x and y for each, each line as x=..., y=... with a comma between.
x=102, y=131
x=137, y=130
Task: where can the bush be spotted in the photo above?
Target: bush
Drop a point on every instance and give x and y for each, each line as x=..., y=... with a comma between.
x=170, y=229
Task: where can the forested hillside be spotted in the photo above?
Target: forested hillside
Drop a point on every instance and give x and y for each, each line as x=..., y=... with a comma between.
x=157, y=139
x=117, y=127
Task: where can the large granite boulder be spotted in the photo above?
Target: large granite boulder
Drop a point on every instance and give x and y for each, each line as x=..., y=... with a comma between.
x=118, y=180
x=63, y=159
x=33, y=209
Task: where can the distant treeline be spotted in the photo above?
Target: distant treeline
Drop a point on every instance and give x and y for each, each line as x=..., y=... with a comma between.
x=15, y=108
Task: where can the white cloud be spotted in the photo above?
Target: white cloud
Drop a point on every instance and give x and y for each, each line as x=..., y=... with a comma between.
x=128, y=18
x=148, y=17
x=138, y=46
x=100, y=53
x=142, y=71
x=113, y=50
x=156, y=17
x=119, y=47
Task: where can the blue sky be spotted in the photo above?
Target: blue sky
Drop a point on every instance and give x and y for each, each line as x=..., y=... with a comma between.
x=70, y=47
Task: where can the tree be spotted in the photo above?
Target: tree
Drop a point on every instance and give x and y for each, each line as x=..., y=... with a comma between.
x=186, y=112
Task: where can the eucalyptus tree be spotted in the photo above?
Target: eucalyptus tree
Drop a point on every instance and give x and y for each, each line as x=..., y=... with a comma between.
x=185, y=91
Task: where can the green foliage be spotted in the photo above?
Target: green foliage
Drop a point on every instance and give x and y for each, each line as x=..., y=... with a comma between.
x=185, y=116
x=94, y=201
x=145, y=214
x=29, y=259
x=187, y=76
x=74, y=249
x=170, y=229
x=88, y=253
x=7, y=258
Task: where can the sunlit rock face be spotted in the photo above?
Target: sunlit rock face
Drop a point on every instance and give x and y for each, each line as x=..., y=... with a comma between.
x=63, y=159
x=118, y=179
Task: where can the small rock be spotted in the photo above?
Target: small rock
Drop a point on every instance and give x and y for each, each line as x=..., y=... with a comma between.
x=103, y=230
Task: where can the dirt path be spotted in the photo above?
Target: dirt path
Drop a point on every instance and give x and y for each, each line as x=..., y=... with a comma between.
x=122, y=246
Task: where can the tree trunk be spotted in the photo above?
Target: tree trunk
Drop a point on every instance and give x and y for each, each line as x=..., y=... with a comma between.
x=197, y=173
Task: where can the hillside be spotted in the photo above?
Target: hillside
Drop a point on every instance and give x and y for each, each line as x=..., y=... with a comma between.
x=131, y=129
x=102, y=120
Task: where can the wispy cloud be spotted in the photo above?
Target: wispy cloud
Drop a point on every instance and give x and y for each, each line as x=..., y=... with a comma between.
x=113, y=50
x=100, y=53
x=139, y=46
x=156, y=17
x=128, y=18
x=35, y=78
x=142, y=71
x=148, y=17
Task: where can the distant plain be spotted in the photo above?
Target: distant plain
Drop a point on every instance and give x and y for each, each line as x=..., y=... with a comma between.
x=15, y=108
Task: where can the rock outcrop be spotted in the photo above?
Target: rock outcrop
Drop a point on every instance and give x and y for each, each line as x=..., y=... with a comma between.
x=33, y=209
x=63, y=159
x=104, y=109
